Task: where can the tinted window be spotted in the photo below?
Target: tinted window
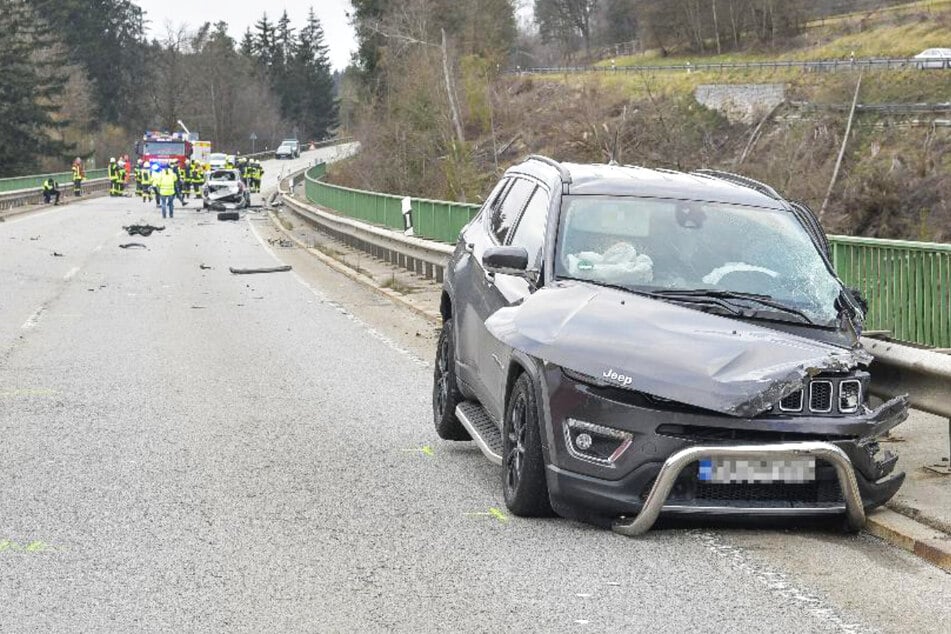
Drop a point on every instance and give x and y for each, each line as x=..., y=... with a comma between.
x=507, y=213
x=530, y=231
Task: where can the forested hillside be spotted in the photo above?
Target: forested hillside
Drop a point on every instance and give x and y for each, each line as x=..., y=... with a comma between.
x=80, y=78
x=441, y=118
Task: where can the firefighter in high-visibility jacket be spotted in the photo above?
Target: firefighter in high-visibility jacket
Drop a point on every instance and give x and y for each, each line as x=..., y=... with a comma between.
x=137, y=176
x=79, y=175
x=115, y=188
x=144, y=180
x=192, y=178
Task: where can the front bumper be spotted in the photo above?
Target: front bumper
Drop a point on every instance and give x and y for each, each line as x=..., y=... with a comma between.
x=675, y=464
x=657, y=474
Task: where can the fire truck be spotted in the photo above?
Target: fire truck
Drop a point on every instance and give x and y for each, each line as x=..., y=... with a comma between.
x=160, y=148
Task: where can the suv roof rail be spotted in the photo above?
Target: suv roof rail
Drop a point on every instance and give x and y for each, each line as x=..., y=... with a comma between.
x=744, y=181
x=562, y=170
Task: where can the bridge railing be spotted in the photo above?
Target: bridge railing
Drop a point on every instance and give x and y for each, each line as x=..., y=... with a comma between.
x=434, y=219
x=36, y=180
x=907, y=284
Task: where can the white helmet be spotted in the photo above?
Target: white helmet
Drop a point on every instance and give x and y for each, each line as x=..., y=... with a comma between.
x=112, y=160
x=146, y=164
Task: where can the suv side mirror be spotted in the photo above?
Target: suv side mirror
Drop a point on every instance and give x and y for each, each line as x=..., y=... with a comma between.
x=505, y=260
x=858, y=298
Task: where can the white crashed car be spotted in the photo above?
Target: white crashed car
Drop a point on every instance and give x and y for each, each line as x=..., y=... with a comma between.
x=224, y=190
x=933, y=58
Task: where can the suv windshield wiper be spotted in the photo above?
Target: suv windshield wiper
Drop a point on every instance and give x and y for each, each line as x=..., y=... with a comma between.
x=763, y=300
x=709, y=301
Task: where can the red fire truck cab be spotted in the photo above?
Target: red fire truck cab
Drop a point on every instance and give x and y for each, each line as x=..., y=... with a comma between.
x=160, y=148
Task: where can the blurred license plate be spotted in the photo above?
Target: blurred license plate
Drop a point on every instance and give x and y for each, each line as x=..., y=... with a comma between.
x=727, y=470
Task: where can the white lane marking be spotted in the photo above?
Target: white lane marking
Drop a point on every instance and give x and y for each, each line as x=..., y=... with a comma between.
x=778, y=584
x=33, y=319
x=73, y=271
x=376, y=334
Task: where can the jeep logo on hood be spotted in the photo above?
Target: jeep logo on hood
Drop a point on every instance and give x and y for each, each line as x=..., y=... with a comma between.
x=621, y=379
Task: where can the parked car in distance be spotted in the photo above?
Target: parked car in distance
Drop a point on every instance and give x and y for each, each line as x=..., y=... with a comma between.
x=933, y=58
x=224, y=190
x=289, y=148
x=628, y=343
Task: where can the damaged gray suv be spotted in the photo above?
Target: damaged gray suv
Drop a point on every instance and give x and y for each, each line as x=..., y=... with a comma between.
x=629, y=343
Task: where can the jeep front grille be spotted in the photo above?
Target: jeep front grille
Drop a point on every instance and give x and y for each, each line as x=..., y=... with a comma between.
x=822, y=395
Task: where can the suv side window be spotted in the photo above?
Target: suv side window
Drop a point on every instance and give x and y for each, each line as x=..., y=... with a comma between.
x=530, y=230
x=507, y=213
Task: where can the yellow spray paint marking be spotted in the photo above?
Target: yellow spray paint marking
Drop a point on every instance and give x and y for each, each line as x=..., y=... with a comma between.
x=36, y=546
x=493, y=512
x=425, y=449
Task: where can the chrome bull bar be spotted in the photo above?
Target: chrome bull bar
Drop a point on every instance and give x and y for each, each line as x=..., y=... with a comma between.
x=654, y=505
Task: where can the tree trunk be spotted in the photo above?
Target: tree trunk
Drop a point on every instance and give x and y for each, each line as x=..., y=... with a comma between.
x=450, y=93
x=716, y=26
x=736, y=35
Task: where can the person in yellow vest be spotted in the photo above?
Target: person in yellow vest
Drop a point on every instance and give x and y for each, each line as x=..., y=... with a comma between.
x=50, y=191
x=197, y=178
x=114, y=187
x=165, y=183
x=79, y=175
x=146, y=176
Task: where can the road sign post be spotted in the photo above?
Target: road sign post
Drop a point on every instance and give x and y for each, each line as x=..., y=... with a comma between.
x=253, y=137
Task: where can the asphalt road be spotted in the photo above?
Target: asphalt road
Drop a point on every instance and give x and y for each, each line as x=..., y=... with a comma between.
x=184, y=449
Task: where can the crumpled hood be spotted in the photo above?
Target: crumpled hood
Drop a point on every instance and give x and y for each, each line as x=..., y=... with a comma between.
x=666, y=350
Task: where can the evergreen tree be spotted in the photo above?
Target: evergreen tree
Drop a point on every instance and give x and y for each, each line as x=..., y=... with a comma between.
x=311, y=97
x=107, y=38
x=264, y=43
x=29, y=86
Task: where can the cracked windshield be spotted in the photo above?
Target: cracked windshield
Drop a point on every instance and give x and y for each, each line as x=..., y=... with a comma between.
x=654, y=244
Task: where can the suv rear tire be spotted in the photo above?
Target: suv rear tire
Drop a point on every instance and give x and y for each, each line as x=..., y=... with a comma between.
x=446, y=394
x=523, y=465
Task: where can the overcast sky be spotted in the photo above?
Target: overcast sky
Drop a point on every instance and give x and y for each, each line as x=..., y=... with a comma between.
x=240, y=14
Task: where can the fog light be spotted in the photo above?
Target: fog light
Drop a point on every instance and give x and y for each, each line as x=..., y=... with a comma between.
x=595, y=443
x=583, y=441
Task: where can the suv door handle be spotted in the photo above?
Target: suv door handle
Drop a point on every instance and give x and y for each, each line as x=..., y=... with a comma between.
x=470, y=247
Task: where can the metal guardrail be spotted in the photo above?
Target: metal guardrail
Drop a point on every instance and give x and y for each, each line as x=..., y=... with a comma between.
x=831, y=65
x=33, y=181
x=23, y=197
x=435, y=219
x=907, y=285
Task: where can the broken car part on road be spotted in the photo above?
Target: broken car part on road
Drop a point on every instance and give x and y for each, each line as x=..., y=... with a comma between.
x=269, y=269
x=142, y=230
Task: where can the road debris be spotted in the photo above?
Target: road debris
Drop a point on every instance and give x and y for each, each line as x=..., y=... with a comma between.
x=204, y=267
x=57, y=254
x=229, y=215
x=142, y=230
x=271, y=269
x=129, y=245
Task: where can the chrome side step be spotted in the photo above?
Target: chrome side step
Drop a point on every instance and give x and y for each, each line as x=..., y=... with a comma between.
x=482, y=428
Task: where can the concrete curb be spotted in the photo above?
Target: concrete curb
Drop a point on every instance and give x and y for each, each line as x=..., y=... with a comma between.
x=922, y=541
x=342, y=268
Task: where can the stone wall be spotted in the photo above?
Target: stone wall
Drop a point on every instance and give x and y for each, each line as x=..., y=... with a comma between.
x=741, y=102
